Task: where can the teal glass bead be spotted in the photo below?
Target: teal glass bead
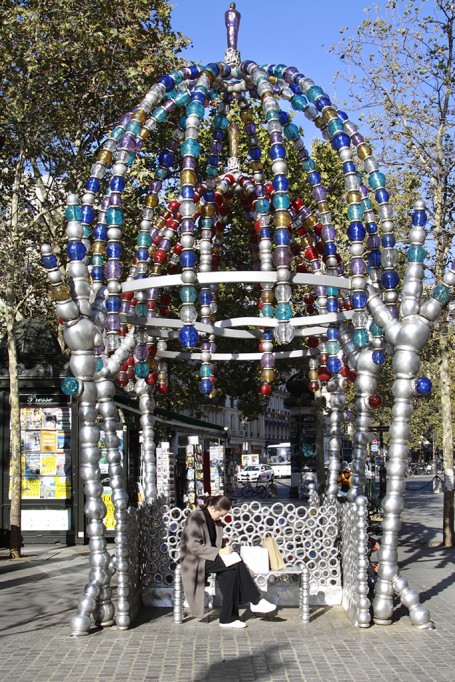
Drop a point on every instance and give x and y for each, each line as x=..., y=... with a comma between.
x=334, y=126
x=367, y=204
x=278, y=70
x=212, y=171
x=313, y=93
x=144, y=239
x=196, y=108
x=190, y=148
x=260, y=79
x=71, y=386
x=272, y=115
x=161, y=173
x=206, y=223
x=140, y=309
x=308, y=165
x=134, y=127
x=281, y=201
x=205, y=371
x=130, y=159
x=355, y=212
x=114, y=216
x=291, y=131
x=441, y=293
x=416, y=254
x=360, y=338
x=331, y=291
x=332, y=347
x=97, y=259
x=181, y=98
x=99, y=364
x=86, y=232
x=159, y=114
x=299, y=102
x=73, y=213
x=177, y=76
x=141, y=370
x=188, y=294
x=283, y=311
x=376, y=180
x=267, y=310
x=262, y=206
x=375, y=330
x=220, y=122
x=117, y=133
x=201, y=88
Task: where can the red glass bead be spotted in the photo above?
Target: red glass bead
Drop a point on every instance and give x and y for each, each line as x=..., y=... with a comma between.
x=164, y=311
x=151, y=378
x=375, y=401
x=318, y=229
x=312, y=342
x=160, y=256
x=324, y=374
x=162, y=388
x=311, y=253
x=314, y=386
x=174, y=206
x=165, y=298
x=265, y=389
x=297, y=204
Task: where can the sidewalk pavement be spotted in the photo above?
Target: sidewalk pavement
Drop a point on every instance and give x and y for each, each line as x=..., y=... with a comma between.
x=38, y=594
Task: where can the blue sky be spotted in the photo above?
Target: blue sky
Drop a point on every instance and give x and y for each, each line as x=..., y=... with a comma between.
x=295, y=33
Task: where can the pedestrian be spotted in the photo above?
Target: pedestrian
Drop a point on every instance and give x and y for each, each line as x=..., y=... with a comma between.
x=202, y=552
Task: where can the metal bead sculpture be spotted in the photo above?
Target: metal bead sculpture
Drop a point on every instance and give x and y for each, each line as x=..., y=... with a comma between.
x=117, y=327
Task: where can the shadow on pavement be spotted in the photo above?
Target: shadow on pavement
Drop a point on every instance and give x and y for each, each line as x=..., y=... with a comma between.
x=261, y=664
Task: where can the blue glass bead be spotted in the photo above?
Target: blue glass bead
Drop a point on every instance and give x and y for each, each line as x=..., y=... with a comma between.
x=97, y=259
x=334, y=365
x=342, y=115
x=117, y=183
x=419, y=218
x=142, y=255
x=166, y=158
x=423, y=386
x=416, y=254
x=376, y=179
x=76, y=251
x=182, y=122
x=281, y=201
x=168, y=82
x=209, y=195
x=220, y=122
x=141, y=370
x=390, y=279
x=332, y=291
x=267, y=335
x=332, y=347
x=114, y=216
x=358, y=299
x=375, y=330
x=441, y=293
x=159, y=114
x=283, y=117
x=50, y=261
x=360, y=338
x=254, y=153
x=141, y=309
x=113, y=304
x=100, y=232
x=333, y=333
x=195, y=71
x=199, y=97
x=334, y=125
x=134, y=127
x=262, y=206
x=71, y=386
x=322, y=102
x=190, y=147
x=267, y=310
x=349, y=167
x=378, y=357
x=283, y=311
x=296, y=90
x=93, y=185
x=382, y=196
x=298, y=77
x=278, y=70
x=73, y=213
x=332, y=305
x=188, y=337
x=88, y=215
x=282, y=237
x=388, y=241
x=356, y=232
x=291, y=132
x=265, y=233
x=270, y=69
x=340, y=140
x=188, y=259
x=212, y=68
x=188, y=192
x=114, y=250
x=205, y=297
x=280, y=183
x=314, y=178
x=308, y=165
x=97, y=274
x=374, y=258
x=313, y=93
x=217, y=135
x=372, y=228
x=205, y=386
x=213, y=160
x=299, y=102
x=330, y=248
x=195, y=108
x=355, y=212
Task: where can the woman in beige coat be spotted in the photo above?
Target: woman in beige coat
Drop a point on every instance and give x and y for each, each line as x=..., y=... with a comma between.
x=201, y=553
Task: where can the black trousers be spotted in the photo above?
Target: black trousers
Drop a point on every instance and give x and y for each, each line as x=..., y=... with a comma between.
x=236, y=585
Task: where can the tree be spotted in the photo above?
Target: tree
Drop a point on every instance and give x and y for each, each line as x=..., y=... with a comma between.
x=401, y=60
x=69, y=70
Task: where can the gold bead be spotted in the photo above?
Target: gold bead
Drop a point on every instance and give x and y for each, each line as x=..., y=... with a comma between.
x=267, y=375
x=139, y=115
x=151, y=200
x=60, y=293
x=354, y=197
x=257, y=165
x=188, y=177
x=281, y=219
x=99, y=248
x=104, y=157
x=267, y=296
x=363, y=151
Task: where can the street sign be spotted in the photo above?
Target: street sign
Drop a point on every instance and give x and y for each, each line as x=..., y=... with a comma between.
x=374, y=447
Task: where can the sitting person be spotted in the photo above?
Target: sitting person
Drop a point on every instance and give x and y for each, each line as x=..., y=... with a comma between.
x=201, y=553
x=344, y=480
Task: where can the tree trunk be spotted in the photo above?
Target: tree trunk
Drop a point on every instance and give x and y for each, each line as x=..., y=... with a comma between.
x=447, y=441
x=15, y=542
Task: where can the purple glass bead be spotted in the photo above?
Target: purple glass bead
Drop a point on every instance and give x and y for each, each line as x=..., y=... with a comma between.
x=303, y=154
x=340, y=268
x=319, y=291
x=357, y=138
x=268, y=361
x=206, y=320
x=250, y=128
x=153, y=231
x=139, y=144
x=282, y=256
x=115, y=199
x=112, y=323
x=113, y=269
x=215, y=147
x=363, y=191
x=128, y=142
x=155, y=186
x=328, y=233
x=125, y=120
x=105, y=203
x=153, y=293
x=319, y=193
x=316, y=265
x=99, y=350
x=394, y=310
x=141, y=353
x=187, y=225
x=357, y=266
x=276, y=137
x=125, y=307
x=189, y=163
x=373, y=242
x=213, y=347
x=165, y=244
x=151, y=313
x=304, y=212
x=205, y=345
x=173, y=145
x=168, y=105
x=260, y=190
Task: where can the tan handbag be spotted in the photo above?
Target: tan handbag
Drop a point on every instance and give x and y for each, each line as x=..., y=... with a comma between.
x=275, y=556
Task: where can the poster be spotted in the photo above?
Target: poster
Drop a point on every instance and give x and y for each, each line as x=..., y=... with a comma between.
x=32, y=441
x=48, y=464
x=30, y=488
x=109, y=519
x=47, y=488
x=56, y=419
x=63, y=441
x=31, y=418
x=62, y=488
x=32, y=463
x=48, y=441
x=63, y=464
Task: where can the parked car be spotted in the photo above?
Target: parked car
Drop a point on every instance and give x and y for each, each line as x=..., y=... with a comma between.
x=281, y=470
x=256, y=473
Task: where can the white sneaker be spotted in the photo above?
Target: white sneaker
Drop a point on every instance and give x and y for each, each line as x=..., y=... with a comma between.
x=264, y=606
x=236, y=624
